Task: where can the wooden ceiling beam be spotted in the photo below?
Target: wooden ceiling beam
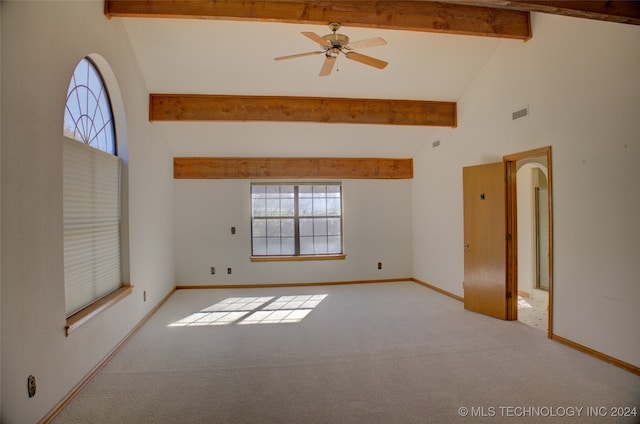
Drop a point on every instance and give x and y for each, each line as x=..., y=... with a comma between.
x=195, y=107
x=283, y=168
x=426, y=16
x=621, y=11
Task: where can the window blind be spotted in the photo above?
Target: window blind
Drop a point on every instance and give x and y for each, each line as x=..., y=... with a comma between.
x=91, y=191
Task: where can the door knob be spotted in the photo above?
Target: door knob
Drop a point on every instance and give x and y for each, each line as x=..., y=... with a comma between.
x=466, y=246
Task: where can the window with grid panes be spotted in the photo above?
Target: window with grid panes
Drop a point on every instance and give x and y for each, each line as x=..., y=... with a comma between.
x=303, y=219
x=91, y=191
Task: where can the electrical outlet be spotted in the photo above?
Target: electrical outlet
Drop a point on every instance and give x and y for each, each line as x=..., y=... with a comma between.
x=213, y=270
x=379, y=265
x=228, y=270
x=31, y=386
x=233, y=230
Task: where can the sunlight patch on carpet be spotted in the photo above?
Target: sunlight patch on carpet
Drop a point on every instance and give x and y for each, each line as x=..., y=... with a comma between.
x=523, y=303
x=253, y=310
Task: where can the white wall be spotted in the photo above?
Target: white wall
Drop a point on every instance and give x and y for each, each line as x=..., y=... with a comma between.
x=41, y=44
x=376, y=222
x=527, y=230
x=580, y=80
x=526, y=238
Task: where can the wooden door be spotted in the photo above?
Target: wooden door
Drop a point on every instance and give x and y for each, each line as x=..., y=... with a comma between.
x=484, y=283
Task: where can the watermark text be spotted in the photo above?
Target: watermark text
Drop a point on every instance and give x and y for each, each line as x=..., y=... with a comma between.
x=548, y=411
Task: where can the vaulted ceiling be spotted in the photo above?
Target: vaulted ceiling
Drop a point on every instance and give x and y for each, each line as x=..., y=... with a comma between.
x=434, y=50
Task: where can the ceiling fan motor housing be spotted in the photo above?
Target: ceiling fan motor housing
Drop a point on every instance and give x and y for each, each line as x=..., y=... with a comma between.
x=337, y=40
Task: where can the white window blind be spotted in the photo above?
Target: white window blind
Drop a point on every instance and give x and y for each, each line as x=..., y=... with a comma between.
x=91, y=188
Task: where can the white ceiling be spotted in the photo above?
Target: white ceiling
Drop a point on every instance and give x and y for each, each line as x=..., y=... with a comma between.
x=230, y=57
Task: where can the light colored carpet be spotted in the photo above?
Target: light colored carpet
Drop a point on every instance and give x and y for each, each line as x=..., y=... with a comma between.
x=371, y=353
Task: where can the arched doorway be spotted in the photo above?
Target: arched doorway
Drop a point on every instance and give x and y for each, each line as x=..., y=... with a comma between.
x=533, y=244
x=530, y=230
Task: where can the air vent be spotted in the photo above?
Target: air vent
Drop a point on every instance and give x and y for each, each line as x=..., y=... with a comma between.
x=520, y=113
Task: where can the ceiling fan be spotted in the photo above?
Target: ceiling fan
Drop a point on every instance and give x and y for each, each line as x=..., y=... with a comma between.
x=333, y=44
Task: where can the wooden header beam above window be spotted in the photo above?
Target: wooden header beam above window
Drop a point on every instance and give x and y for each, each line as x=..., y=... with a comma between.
x=426, y=16
x=621, y=11
x=193, y=107
x=283, y=168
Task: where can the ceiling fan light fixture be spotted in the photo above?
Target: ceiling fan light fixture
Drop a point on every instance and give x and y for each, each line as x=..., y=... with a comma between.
x=333, y=52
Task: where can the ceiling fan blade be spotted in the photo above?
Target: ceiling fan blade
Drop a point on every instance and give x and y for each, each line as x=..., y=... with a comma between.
x=327, y=66
x=315, y=37
x=367, y=60
x=369, y=42
x=296, y=55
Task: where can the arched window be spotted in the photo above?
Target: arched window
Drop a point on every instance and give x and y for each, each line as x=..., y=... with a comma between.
x=92, y=195
x=87, y=116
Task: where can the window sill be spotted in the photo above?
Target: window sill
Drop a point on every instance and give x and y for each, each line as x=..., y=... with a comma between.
x=297, y=258
x=83, y=315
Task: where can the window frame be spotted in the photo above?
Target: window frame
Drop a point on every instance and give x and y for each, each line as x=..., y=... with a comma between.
x=296, y=217
x=101, y=103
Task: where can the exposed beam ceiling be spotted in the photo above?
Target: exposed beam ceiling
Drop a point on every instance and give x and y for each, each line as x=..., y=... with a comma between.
x=621, y=11
x=192, y=107
x=427, y=16
x=234, y=55
x=229, y=168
